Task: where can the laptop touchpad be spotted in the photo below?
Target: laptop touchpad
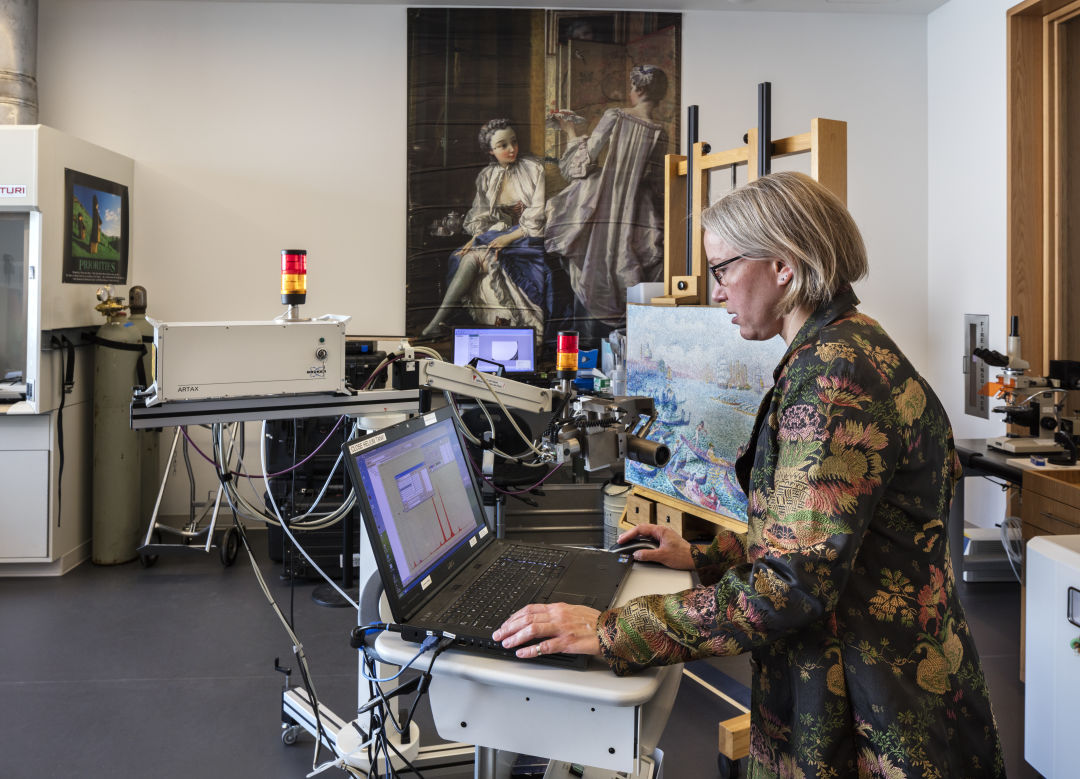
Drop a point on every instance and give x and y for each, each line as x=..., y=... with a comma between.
x=574, y=599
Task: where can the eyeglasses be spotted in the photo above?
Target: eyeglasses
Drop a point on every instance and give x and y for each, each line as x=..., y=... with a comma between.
x=717, y=270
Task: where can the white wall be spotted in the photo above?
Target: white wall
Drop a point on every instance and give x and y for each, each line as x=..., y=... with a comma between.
x=255, y=127
x=262, y=126
x=967, y=206
x=869, y=70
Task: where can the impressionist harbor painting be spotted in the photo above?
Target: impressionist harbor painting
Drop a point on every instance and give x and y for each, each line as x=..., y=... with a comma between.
x=707, y=383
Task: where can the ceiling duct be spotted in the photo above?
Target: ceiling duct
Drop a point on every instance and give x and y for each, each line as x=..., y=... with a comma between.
x=18, y=62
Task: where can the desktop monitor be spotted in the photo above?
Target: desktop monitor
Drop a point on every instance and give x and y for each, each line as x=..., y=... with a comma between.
x=491, y=347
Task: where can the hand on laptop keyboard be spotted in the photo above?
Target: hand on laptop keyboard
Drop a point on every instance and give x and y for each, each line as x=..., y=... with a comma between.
x=519, y=577
x=560, y=627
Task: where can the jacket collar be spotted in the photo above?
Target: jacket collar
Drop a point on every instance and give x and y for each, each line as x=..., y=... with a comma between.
x=828, y=312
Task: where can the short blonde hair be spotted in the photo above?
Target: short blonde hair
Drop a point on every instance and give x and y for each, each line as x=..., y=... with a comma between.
x=791, y=217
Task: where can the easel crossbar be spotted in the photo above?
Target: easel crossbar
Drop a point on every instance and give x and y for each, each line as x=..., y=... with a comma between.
x=686, y=281
x=795, y=144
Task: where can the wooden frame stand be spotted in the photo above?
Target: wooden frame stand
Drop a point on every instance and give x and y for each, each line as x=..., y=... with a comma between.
x=826, y=143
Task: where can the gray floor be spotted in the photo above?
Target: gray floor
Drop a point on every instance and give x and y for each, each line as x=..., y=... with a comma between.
x=168, y=671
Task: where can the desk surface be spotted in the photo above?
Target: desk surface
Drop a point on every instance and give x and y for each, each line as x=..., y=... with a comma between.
x=594, y=683
x=978, y=460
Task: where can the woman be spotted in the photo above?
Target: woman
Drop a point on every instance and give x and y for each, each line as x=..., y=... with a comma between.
x=608, y=222
x=500, y=275
x=843, y=593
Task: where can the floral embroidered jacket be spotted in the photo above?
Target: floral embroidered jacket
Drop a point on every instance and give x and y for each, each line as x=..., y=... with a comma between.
x=863, y=664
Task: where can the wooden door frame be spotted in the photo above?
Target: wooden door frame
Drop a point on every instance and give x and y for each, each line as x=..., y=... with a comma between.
x=1034, y=182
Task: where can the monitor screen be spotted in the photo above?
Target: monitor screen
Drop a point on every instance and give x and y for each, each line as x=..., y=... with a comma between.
x=510, y=347
x=421, y=498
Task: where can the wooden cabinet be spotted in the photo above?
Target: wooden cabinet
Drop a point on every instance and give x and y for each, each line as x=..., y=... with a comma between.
x=1050, y=503
x=645, y=506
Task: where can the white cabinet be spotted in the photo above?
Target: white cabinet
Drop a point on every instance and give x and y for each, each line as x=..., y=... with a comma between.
x=45, y=518
x=1052, y=679
x=24, y=483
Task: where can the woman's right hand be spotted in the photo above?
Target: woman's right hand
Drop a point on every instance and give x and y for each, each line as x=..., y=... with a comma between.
x=674, y=550
x=568, y=127
x=468, y=245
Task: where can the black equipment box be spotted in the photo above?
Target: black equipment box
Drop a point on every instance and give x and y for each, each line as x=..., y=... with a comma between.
x=288, y=442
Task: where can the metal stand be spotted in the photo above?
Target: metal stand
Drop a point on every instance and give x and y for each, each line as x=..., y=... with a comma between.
x=650, y=768
x=153, y=546
x=344, y=738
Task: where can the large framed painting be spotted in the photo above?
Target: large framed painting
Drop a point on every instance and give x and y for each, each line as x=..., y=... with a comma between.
x=536, y=177
x=707, y=383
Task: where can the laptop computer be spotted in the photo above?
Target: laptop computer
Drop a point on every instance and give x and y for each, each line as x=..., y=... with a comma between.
x=442, y=568
x=511, y=348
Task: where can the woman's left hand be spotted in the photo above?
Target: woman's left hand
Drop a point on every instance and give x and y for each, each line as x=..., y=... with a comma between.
x=560, y=626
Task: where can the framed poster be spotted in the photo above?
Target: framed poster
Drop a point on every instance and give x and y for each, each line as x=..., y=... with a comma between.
x=96, y=232
x=707, y=382
x=536, y=177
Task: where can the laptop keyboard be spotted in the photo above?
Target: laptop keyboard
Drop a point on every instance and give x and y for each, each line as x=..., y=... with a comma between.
x=519, y=576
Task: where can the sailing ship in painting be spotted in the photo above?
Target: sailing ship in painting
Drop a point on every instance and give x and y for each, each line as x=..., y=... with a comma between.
x=707, y=383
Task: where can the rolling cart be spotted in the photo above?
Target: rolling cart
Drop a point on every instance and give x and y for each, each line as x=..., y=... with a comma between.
x=195, y=535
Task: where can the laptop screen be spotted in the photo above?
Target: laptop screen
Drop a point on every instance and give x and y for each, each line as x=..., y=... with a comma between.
x=510, y=347
x=421, y=508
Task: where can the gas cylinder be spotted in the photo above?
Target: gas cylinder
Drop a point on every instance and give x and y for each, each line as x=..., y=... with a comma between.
x=116, y=470
x=149, y=457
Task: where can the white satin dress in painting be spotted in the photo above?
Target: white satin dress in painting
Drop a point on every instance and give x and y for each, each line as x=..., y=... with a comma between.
x=608, y=222
x=512, y=284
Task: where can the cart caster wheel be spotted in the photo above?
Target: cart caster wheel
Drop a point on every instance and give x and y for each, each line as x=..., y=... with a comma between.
x=727, y=768
x=290, y=734
x=230, y=545
x=145, y=559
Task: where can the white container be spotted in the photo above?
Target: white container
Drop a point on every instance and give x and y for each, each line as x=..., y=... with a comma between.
x=644, y=292
x=615, y=496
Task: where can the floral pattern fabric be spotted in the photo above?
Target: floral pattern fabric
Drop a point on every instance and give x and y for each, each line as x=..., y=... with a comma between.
x=842, y=591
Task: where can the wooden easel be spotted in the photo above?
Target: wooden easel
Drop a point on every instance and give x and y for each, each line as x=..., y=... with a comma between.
x=827, y=144
x=686, y=284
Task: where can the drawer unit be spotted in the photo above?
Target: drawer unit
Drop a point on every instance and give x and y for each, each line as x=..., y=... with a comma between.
x=1051, y=503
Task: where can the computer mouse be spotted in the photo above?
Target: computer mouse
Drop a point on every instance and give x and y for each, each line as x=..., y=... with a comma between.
x=631, y=546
